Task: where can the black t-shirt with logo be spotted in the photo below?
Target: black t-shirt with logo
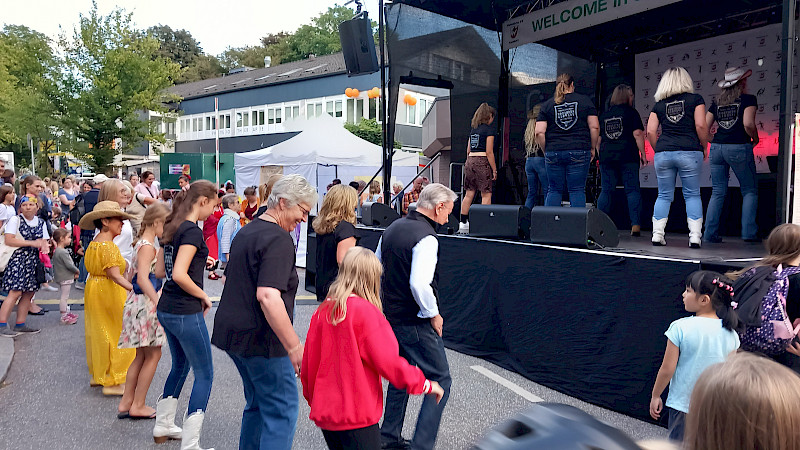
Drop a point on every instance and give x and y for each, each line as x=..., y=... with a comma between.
x=730, y=123
x=327, y=267
x=676, y=116
x=616, y=130
x=477, y=137
x=567, y=128
x=174, y=300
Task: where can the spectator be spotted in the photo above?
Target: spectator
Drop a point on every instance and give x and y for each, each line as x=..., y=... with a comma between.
x=249, y=205
x=137, y=206
x=264, y=190
x=67, y=194
x=210, y=234
x=413, y=196
x=134, y=179
x=375, y=193
x=228, y=226
x=166, y=197
x=336, y=233
x=87, y=186
x=147, y=187
x=89, y=200
x=183, y=181
x=6, y=204
x=65, y=272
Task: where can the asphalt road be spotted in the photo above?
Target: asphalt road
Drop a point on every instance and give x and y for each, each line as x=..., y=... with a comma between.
x=46, y=401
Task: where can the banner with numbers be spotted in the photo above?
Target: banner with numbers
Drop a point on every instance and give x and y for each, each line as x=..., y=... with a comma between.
x=758, y=49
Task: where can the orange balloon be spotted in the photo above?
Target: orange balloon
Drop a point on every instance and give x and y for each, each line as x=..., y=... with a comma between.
x=377, y=92
x=355, y=93
x=412, y=100
x=406, y=98
x=348, y=92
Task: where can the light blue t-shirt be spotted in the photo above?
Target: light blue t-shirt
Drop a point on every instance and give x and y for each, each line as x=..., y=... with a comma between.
x=702, y=342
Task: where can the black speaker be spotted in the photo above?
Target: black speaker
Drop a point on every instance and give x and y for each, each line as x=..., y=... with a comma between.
x=574, y=227
x=358, y=46
x=499, y=221
x=375, y=214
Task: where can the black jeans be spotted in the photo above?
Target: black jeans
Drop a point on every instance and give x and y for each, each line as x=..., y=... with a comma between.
x=367, y=438
x=421, y=347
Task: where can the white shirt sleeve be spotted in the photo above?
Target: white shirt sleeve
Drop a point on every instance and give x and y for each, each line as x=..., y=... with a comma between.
x=45, y=234
x=125, y=242
x=13, y=225
x=378, y=249
x=424, y=257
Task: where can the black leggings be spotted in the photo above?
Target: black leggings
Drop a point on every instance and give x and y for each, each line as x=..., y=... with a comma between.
x=367, y=438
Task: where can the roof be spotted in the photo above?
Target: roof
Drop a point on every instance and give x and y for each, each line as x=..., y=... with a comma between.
x=294, y=71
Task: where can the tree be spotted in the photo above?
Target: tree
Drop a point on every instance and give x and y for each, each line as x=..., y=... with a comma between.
x=176, y=45
x=111, y=74
x=202, y=68
x=243, y=57
x=370, y=131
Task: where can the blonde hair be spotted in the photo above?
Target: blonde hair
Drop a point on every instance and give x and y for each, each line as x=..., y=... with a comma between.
x=676, y=80
x=483, y=114
x=783, y=247
x=622, y=95
x=265, y=189
x=530, y=130
x=339, y=204
x=359, y=274
x=110, y=190
x=732, y=93
x=563, y=82
x=375, y=187
x=154, y=212
x=745, y=403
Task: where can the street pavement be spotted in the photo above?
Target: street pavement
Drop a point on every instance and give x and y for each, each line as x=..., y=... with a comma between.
x=46, y=401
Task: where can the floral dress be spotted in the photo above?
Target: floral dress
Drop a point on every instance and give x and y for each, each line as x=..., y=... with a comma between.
x=140, y=327
x=20, y=274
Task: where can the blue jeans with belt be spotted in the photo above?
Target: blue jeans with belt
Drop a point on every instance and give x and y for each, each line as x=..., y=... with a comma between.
x=536, y=170
x=421, y=347
x=685, y=164
x=610, y=173
x=572, y=167
x=189, y=346
x=270, y=412
x=738, y=157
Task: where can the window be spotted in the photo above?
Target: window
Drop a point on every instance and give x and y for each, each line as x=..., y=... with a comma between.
x=200, y=124
x=351, y=105
x=318, y=110
x=213, y=123
x=423, y=109
x=277, y=115
x=411, y=114
x=271, y=116
x=238, y=120
x=329, y=108
x=338, y=109
x=261, y=117
x=373, y=108
x=208, y=123
x=183, y=126
x=194, y=124
x=359, y=109
x=246, y=119
x=309, y=111
x=295, y=111
x=225, y=121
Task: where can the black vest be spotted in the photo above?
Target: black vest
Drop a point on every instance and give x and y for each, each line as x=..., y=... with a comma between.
x=397, y=244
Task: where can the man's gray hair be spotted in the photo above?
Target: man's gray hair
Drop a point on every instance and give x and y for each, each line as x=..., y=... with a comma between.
x=229, y=199
x=294, y=189
x=433, y=194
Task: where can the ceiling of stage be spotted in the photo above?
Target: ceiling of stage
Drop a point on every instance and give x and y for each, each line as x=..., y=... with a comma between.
x=662, y=27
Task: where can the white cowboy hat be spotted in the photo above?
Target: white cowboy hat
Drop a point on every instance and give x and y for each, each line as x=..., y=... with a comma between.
x=102, y=210
x=734, y=75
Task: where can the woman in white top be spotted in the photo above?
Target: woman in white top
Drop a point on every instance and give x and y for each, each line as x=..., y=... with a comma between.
x=115, y=191
x=7, y=197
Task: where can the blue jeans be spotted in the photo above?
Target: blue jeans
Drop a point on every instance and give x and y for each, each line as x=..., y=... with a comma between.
x=537, y=175
x=676, y=423
x=685, y=164
x=610, y=173
x=270, y=392
x=738, y=157
x=189, y=345
x=572, y=167
x=422, y=347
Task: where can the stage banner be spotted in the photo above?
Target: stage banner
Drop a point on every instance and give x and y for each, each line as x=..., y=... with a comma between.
x=758, y=49
x=566, y=17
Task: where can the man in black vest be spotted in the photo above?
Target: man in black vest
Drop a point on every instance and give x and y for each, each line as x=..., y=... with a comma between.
x=409, y=251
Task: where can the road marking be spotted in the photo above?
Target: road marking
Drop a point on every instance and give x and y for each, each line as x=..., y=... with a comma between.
x=513, y=387
x=79, y=301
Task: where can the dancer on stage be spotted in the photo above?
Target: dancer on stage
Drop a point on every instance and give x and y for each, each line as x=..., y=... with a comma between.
x=535, y=168
x=679, y=150
x=480, y=169
x=734, y=112
x=568, y=130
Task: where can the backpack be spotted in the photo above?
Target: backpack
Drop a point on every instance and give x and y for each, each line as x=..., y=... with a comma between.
x=769, y=330
x=78, y=210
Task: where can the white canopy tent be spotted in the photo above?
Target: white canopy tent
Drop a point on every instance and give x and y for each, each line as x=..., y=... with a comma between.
x=323, y=150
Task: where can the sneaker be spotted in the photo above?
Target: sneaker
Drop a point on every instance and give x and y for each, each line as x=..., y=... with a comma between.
x=79, y=285
x=24, y=329
x=47, y=287
x=8, y=332
x=463, y=228
x=402, y=444
x=68, y=319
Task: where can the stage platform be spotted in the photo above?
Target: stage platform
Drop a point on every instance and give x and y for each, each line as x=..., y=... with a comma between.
x=732, y=251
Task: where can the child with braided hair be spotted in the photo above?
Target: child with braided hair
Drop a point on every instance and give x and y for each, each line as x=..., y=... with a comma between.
x=694, y=343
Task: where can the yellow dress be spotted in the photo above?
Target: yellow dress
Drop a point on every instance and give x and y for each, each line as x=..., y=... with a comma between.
x=104, y=301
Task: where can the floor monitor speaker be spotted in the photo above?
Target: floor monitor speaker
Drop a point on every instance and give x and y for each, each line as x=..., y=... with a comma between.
x=573, y=227
x=499, y=221
x=375, y=214
x=358, y=46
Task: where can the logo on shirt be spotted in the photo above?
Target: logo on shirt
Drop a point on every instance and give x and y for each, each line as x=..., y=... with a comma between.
x=675, y=111
x=613, y=127
x=728, y=115
x=566, y=115
x=474, y=139
x=169, y=258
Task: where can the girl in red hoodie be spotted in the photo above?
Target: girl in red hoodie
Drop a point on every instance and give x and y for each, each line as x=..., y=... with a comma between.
x=349, y=347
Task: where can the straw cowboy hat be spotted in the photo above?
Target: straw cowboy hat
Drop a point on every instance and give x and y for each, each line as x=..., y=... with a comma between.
x=734, y=75
x=102, y=210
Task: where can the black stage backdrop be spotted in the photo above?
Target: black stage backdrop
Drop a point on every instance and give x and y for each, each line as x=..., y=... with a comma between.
x=587, y=324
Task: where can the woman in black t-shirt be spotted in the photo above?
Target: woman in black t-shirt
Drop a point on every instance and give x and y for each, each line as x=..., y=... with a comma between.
x=568, y=131
x=181, y=309
x=734, y=112
x=336, y=233
x=480, y=169
x=621, y=152
x=680, y=149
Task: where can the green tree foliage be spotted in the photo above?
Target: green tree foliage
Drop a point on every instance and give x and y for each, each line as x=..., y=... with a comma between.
x=111, y=73
x=251, y=56
x=370, y=131
x=202, y=68
x=176, y=45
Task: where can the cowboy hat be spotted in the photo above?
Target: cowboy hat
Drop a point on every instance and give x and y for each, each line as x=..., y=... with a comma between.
x=734, y=75
x=102, y=210
x=99, y=178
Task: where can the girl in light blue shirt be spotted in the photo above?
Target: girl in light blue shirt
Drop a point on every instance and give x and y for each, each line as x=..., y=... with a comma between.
x=694, y=343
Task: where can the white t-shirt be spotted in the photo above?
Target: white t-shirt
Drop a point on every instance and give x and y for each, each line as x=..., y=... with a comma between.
x=13, y=226
x=6, y=212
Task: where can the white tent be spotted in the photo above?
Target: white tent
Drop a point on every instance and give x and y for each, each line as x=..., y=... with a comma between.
x=323, y=150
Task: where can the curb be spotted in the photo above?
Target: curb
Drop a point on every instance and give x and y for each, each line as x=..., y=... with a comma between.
x=6, y=355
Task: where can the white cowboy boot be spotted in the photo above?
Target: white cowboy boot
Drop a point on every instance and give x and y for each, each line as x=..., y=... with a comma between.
x=695, y=232
x=192, y=425
x=165, y=427
x=658, y=231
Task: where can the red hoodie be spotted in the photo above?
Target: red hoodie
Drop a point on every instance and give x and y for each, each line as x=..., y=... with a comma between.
x=343, y=365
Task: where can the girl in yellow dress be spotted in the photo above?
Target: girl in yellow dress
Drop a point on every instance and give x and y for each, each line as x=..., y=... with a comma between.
x=104, y=299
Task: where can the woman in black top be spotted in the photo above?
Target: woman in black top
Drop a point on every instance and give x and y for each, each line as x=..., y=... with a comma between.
x=480, y=169
x=253, y=323
x=621, y=152
x=568, y=131
x=181, y=309
x=336, y=233
x=734, y=112
x=680, y=149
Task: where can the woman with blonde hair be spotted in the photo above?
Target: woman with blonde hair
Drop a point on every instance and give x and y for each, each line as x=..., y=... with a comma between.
x=535, y=167
x=114, y=190
x=679, y=150
x=336, y=233
x=480, y=169
x=375, y=194
x=350, y=346
x=568, y=131
x=745, y=403
x=264, y=190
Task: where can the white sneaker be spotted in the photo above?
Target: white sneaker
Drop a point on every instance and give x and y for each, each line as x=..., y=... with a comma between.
x=463, y=228
x=47, y=287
